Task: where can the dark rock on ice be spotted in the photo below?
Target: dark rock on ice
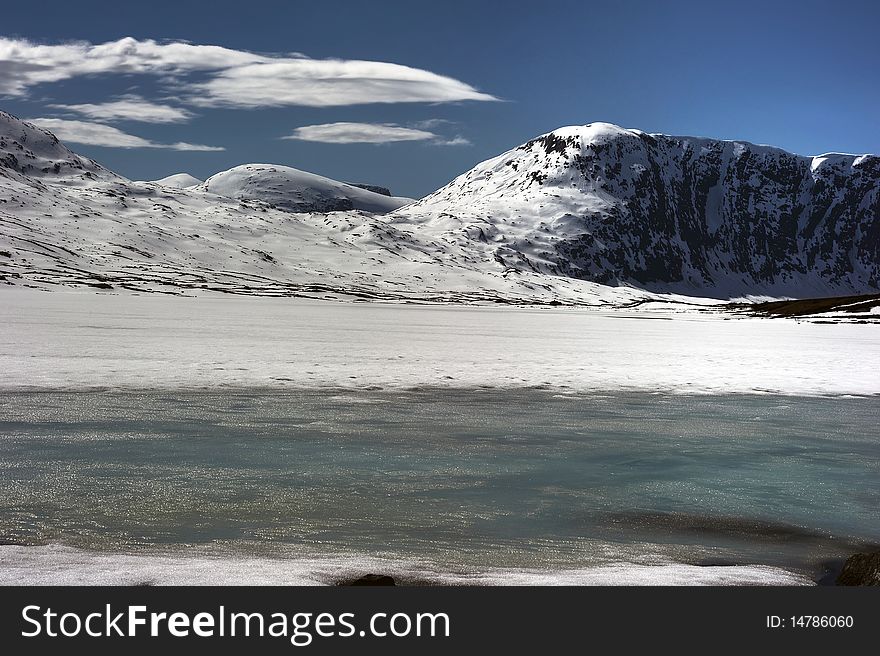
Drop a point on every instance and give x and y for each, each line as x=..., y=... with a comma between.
x=861, y=569
x=372, y=579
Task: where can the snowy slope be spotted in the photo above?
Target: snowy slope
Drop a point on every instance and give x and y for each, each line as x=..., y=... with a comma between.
x=593, y=215
x=86, y=226
x=29, y=153
x=698, y=216
x=298, y=191
x=178, y=181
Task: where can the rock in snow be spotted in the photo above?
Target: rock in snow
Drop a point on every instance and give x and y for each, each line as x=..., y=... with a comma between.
x=385, y=191
x=372, y=579
x=593, y=214
x=861, y=569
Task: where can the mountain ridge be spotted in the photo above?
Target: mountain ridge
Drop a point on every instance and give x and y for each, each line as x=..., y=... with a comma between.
x=583, y=215
x=616, y=206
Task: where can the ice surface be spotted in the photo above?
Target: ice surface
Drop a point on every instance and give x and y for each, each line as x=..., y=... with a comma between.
x=84, y=339
x=57, y=565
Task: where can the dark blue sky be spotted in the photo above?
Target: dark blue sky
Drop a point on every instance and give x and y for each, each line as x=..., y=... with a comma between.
x=801, y=75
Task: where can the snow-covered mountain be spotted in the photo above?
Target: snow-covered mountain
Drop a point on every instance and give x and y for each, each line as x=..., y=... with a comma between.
x=298, y=191
x=698, y=216
x=587, y=215
x=179, y=181
x=86, y=226
x=27, y=151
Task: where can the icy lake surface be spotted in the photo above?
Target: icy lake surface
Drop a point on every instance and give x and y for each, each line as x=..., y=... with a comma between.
x=54, y=340
x=440, y=485
x=251, y=440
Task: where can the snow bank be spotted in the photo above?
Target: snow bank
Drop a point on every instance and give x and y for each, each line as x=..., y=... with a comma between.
x=57, y=565
x=82, y=340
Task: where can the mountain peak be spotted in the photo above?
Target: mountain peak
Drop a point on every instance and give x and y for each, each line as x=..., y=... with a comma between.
x=597, y=132
x=621, y=206
x=571, y=214
x=28, y=150
x=572, y=139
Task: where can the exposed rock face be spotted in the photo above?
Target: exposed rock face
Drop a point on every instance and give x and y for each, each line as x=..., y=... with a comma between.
x=30, y=151
x=385, y=191
x=612, y=205
x=861, y=569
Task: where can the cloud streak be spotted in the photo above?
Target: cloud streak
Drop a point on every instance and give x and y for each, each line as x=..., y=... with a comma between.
x=213, y=76
x=372, y=133
x=130, y=108
x=98, y=134
x=346, y=133
x=454, y=141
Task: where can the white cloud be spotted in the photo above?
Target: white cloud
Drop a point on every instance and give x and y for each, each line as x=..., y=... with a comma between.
x=130, y=108
x=231, y=78
x=345, y=133
x=98, y=134
x=24, y=63
x=327, y=83
x=431, y=123
x=455, y=141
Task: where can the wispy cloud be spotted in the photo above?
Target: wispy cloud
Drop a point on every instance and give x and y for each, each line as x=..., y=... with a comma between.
x=130, y=108
x=98, y=134
x=374, y=133
x=206, y=75
x=454, y=141
x=432, y=123
x=345, y=133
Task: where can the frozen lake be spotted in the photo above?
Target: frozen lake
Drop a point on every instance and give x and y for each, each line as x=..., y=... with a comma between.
x=234, y=440
x=439, y=485
x=70, y=340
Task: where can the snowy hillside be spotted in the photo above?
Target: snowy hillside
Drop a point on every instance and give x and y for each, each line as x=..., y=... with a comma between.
x=593, y=215
x=179, y=181
x=27, y=151
x=298, y=191
x=86, y=226
x=697, y=216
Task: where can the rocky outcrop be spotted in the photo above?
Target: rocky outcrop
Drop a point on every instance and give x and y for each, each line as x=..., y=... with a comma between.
x=376, y=189
x=861, y=569
x=28, y=152
x=372, y=579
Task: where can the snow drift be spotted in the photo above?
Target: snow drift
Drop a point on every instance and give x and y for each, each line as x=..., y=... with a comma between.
x=179, y=181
